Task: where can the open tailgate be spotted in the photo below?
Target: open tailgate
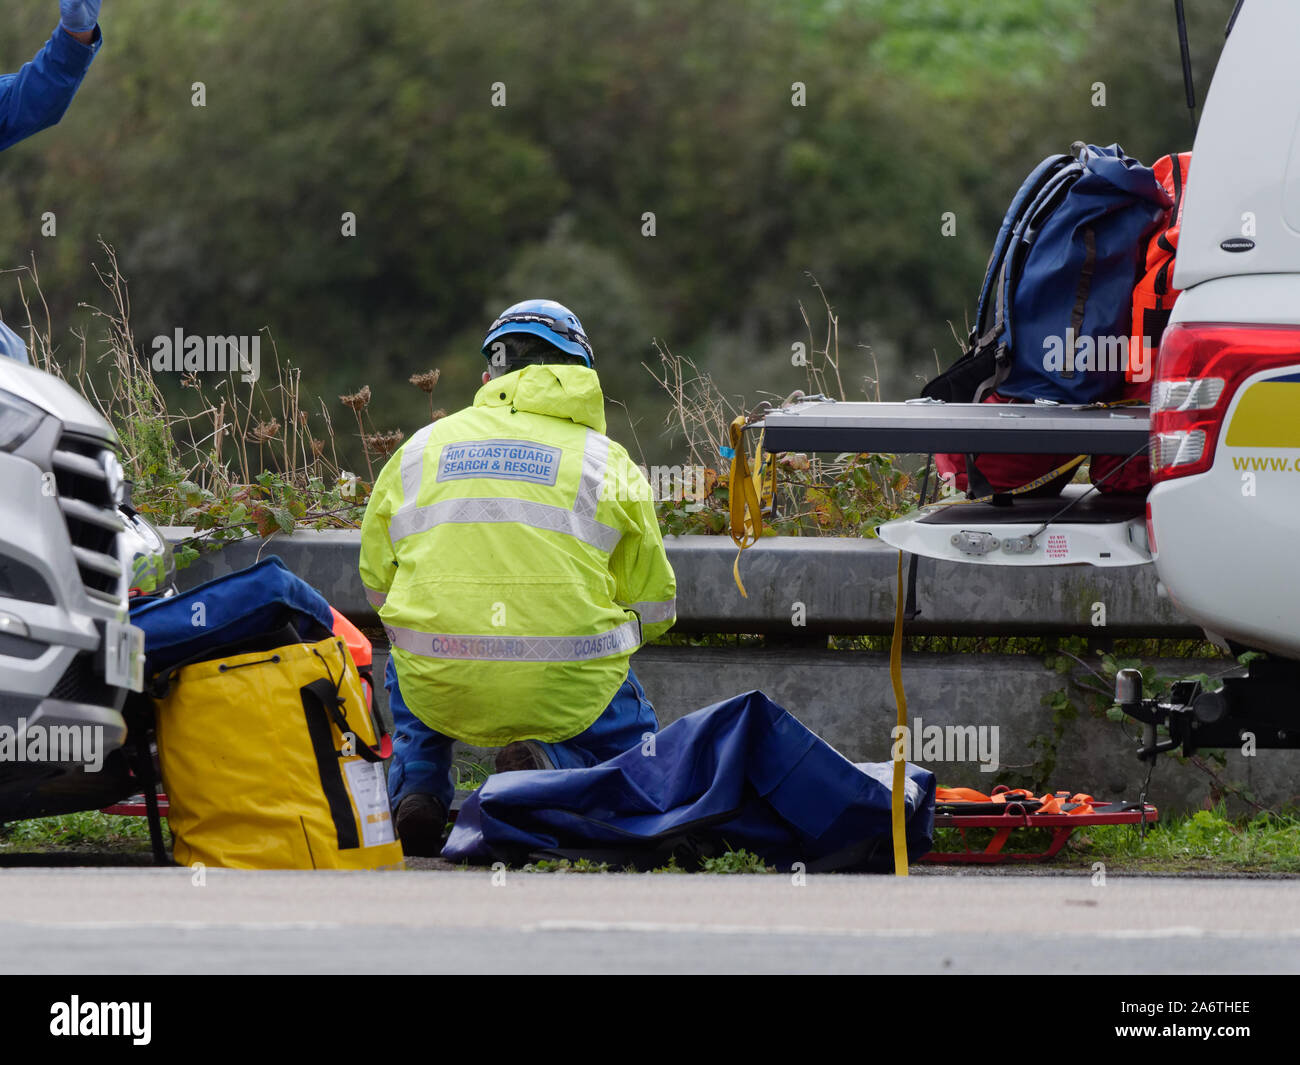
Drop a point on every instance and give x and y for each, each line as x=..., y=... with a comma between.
x=1081, y=526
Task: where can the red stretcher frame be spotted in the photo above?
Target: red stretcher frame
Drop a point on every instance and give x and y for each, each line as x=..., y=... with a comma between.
x=135, y=807
x=1060, y=825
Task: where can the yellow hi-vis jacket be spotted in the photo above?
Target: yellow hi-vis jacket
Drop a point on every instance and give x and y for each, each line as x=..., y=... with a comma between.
x=514, y=557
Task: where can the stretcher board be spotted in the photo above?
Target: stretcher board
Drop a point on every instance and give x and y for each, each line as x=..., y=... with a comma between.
x=1016, y=818
x=922, y=427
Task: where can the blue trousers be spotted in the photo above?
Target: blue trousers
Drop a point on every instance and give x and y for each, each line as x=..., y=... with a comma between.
x=421, y=761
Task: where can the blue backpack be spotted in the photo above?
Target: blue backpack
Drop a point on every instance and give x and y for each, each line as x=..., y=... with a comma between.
x=1056, y=307
x=263, y=601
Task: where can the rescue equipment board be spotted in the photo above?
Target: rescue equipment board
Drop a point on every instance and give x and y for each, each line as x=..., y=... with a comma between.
x=925, y=427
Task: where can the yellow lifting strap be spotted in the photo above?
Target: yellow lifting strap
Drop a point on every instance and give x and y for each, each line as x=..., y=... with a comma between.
x=1050, y=475
x=1037, y=482
x=746, y=495
x=898, y=791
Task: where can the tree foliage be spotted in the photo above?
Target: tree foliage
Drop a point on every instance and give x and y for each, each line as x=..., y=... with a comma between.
x=227, y=218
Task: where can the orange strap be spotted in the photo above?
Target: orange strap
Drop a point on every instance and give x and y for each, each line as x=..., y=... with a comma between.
x=959, y=795
x=1051, y=804
x=1084, y=804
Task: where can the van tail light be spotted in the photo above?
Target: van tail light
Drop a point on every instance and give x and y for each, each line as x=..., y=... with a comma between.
x=1199, y=368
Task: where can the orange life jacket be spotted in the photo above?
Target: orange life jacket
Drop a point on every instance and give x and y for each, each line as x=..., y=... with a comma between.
x=1153, y=300
x=1154, y=294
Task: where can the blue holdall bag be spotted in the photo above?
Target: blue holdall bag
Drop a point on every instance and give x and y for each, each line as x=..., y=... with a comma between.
x=1055, y=309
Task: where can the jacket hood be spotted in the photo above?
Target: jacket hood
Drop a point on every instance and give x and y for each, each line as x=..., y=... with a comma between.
x=560, y=391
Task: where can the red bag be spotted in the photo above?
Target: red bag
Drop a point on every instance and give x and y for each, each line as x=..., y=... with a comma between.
x=1005, y=472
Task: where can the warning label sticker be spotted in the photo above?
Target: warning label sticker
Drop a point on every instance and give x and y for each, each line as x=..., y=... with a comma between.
x=505, y=460
x=1057, y=545
x=370, y=796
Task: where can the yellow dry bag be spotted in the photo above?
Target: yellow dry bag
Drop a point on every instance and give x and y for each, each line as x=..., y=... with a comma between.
x=271, y=760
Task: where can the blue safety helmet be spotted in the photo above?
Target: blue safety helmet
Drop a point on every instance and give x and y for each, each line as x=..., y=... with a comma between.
x=551, y=321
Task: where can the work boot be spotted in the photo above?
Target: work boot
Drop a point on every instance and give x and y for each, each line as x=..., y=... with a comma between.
x=523, y=754
x=420, y=820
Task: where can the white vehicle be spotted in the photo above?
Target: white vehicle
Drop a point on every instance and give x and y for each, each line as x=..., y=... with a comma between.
x=68, y=654
x=1222, y=520
x=1226, y=400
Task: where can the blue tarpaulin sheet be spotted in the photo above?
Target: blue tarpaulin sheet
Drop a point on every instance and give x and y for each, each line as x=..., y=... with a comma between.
x=236, y=606
x=740, y=774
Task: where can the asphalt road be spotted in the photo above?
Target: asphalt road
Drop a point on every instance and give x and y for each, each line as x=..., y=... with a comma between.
x=133, y=921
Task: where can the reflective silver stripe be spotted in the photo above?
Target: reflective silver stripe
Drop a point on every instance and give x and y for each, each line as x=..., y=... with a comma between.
x=651, y=612
x=595, y=456
x=413, y=467
x=626, y=637
x=527, y=512
x=374, y=598
x=580, y=522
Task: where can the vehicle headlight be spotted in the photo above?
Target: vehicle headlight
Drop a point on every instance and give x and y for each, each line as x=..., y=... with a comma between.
x=115, y=477
x=153, y=565
x=18, y=420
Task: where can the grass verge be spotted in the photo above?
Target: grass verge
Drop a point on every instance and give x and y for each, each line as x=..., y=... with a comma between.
x=1207, y=841
x=88, y=831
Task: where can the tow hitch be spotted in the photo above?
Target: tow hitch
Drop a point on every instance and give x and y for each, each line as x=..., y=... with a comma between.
x=1257, y=707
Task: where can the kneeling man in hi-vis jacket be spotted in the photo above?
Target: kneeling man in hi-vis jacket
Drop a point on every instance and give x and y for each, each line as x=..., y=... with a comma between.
x=514, y=556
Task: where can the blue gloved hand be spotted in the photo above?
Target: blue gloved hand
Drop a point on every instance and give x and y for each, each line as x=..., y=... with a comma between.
x=79, y=16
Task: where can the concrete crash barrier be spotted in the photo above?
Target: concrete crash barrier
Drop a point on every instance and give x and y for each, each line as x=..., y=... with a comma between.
x=846, y=586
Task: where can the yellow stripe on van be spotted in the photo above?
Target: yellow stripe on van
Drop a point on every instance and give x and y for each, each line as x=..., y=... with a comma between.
x=1268, y=415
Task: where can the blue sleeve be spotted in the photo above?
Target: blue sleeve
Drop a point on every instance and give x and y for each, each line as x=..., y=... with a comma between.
x=39, y=94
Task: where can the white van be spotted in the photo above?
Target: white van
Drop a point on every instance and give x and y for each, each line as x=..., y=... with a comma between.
x=1222, y=522
x=1225, y=508
x=68, y=653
